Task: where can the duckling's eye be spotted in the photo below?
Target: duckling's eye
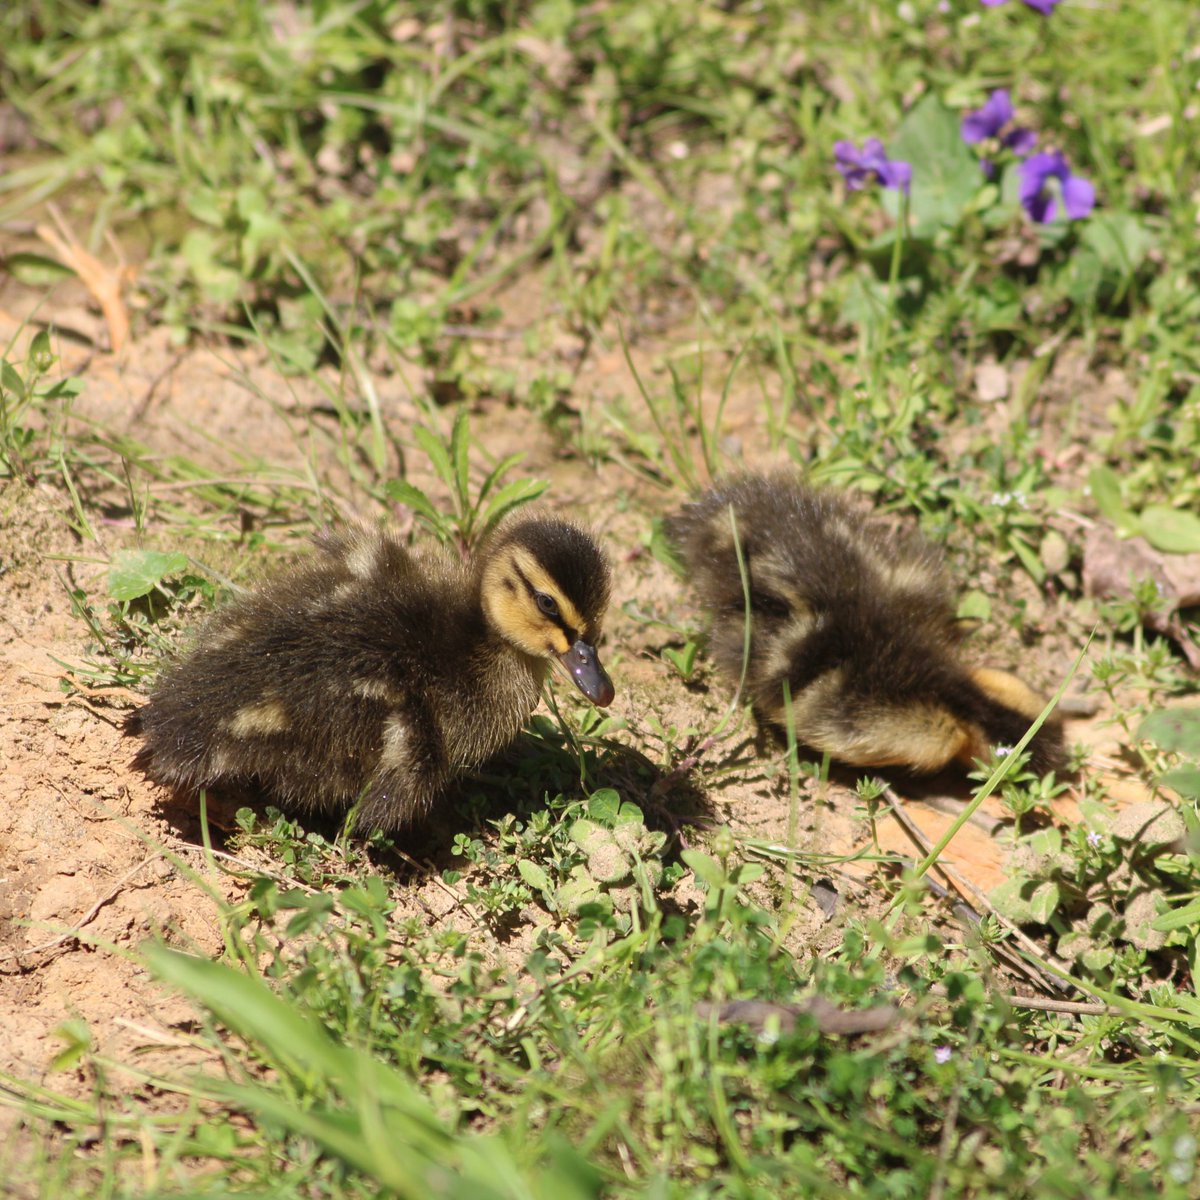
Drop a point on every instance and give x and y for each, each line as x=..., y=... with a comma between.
x=546, y=603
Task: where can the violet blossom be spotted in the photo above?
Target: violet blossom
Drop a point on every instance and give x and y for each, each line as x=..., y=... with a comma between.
x=1045, y=7
x=1043, y=178
x=861, y=167
x=987, y=122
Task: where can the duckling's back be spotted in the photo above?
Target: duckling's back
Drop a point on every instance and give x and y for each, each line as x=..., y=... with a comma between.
x=851, y=625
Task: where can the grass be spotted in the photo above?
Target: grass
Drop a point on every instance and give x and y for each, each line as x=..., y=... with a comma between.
x=356, y=190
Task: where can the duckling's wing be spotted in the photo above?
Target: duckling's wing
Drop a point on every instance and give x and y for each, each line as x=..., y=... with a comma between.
x=291, y=687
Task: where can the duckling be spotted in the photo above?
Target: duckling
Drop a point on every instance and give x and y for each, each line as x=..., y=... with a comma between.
x=858, y=621
x=372, y=675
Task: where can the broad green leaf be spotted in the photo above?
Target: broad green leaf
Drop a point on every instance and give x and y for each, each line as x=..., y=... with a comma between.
x=747, y=873
x=974, y=606
x=202, y=251
x=534, y=875
x=435, y=450
x=1099, y=958
x=36, y=270
x=1119, y=241
x=1178, y=918
x=78, y=1038
x=10, y=381
x=512, y=496
x=404, y=492
x=1044, y=901
x=1171, y=529
x=1028, y=556
x=684, y=661
x=629, y=814
x=1185, y=780
x=603, y=805
x=1173, y=729
x=707, y=869
x=1046, y=841
x=134, y=573
x=1106, y=492
x=497, y=473
x=946, y=174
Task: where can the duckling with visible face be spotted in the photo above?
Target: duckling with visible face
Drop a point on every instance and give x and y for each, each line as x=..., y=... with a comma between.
x=373, y=675
x=857, y=621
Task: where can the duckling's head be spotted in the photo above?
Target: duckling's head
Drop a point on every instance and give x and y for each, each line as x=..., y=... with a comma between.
x=544, y=587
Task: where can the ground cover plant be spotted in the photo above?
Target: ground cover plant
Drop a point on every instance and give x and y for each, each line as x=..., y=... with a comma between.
x=271, y=267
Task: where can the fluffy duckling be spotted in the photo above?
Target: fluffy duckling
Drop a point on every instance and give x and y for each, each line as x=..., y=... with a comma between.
x=857, y=620
x=373, y=675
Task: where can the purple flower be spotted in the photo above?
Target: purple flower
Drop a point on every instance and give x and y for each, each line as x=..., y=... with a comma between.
x=1043, y=177
x=988, y=121
x=1045, y=7
x=943, y=1054
x=862, y=167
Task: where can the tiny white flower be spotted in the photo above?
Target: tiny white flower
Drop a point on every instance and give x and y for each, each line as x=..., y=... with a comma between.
x=943, y=1054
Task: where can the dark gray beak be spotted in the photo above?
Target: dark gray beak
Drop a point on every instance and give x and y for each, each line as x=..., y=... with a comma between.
x=583, y=665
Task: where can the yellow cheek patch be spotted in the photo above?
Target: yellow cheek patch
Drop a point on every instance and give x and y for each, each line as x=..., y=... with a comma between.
x=259, y=720
x=541, y=580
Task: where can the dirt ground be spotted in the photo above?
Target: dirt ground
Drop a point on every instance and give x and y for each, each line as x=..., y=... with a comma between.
x=93, y=859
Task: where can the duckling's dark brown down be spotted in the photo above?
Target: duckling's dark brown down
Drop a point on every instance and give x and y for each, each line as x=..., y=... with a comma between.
x=857, y=621
x=373, y=675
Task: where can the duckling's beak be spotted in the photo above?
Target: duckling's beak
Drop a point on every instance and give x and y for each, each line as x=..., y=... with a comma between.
x=583, y=665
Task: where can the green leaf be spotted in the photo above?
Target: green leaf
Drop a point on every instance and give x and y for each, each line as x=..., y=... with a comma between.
x=629, y=814
x=684, y=661
x=1045, y=842
x=1044, y=901
x=10, y=381
x=1029, y=558
x=78, y=1038
x=1106, y=492
x=1119, y=241
x=134, y=573
x=534, y=875
x=747, y=873
x=511, y=496
x=1171, y=529
x=1178, y=918
x=497, y=472
x=36, y=270
x=974, y=606
x=1173, y=729
x=946, y=174
x=1185, y=780
x=604, y=804
x=405, y=493
x=435, y=450
x=1099, y=958
x=707, y=869
x=460, y=443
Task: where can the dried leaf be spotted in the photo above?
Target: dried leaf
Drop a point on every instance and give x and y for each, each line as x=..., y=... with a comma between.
x=1111, y=566
x=760, y=1016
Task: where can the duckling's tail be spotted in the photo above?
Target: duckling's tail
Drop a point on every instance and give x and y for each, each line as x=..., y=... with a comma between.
x=1006, y=711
